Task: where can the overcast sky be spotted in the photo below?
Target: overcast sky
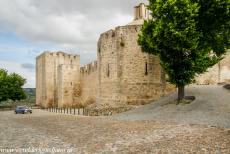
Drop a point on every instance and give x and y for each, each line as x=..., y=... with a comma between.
x=29, y=27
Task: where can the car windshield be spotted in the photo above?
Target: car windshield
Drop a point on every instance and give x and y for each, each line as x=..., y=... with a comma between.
x=21, y=107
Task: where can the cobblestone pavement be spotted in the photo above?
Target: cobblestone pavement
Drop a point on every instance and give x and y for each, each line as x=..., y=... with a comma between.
x=105, y=135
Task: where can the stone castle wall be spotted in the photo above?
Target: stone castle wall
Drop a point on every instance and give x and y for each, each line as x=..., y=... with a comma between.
x=219, y=73
x=89, y=83
x=68, y=85
x=122, y=74
x=126, y=74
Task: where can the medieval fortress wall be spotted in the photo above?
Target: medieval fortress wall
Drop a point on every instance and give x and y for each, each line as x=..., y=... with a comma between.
x=122, y=74
x=126, y=74
x=219, y=73
x=88, y=83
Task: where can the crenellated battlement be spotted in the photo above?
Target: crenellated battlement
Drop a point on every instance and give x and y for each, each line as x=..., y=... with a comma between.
x=65, y=55
x=88, y=68
x=59, y=54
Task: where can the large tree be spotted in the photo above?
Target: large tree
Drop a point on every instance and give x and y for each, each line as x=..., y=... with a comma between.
x=11, y=86
x=189, y=36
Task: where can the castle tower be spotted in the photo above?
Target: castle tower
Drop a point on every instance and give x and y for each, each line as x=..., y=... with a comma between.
x=126, y=75
x=49, y=80
x=141, y=13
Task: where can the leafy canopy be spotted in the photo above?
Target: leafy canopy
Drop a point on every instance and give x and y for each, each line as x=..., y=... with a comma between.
x=188, y=36
x=11, y=86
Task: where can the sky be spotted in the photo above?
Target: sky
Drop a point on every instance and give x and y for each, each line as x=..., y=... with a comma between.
x=30, y=27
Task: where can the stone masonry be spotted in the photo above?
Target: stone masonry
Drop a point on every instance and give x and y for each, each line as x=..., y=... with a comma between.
x=122, y=74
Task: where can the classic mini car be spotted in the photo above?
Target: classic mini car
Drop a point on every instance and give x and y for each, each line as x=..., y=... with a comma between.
x=23, y=110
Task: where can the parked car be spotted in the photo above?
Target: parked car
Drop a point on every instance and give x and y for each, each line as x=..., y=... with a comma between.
x=23, y=110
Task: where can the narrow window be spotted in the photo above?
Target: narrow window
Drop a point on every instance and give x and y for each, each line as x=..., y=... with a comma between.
x=108, y=71
x=146, y=68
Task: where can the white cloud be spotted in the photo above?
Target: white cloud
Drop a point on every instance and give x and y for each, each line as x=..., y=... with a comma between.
x=68, y=25
x=16, y=67
x=73, y=23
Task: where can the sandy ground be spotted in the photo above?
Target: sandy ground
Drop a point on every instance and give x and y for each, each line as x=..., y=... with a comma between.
x=211, y=107
x=102, y=135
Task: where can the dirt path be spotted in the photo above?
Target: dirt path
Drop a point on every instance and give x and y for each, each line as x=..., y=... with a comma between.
x=103, y=135
x=211, y=107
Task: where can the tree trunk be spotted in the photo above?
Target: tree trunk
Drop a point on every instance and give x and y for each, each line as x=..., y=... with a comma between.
x=180, y=93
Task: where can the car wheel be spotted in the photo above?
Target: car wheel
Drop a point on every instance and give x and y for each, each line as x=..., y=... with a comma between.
x=16, y=112
x=30, y=112
x=23, y=112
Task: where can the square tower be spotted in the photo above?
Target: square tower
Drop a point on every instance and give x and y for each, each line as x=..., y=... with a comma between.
x=47, y=78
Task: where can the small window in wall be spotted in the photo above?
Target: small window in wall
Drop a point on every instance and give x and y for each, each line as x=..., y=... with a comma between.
x=146, y=68
x=108, y=71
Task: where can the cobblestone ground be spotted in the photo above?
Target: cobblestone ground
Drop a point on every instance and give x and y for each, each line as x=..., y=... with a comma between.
x=104, y=135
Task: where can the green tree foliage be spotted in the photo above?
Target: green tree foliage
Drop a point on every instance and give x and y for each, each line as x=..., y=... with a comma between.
x=11, y=86
x=188, y=36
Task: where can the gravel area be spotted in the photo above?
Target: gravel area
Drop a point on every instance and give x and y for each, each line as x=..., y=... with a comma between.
x=211, y=107
x=105, y=135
